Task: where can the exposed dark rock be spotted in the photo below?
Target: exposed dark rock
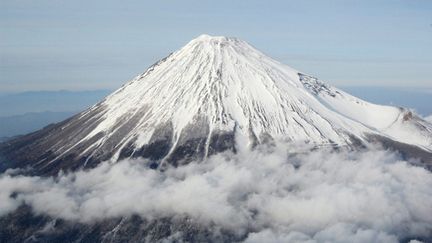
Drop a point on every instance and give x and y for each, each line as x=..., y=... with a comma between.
x=407, y=151
x=23, y=226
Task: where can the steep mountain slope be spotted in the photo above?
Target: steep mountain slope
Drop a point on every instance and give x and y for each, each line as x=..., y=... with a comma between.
x=398, y=123
x=214, y=94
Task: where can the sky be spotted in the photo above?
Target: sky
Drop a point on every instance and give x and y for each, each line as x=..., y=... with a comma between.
x=84, y=45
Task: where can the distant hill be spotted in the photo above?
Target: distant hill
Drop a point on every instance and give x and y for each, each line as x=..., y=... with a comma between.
x=55, y=101
x=29, y=122
x=22, y=113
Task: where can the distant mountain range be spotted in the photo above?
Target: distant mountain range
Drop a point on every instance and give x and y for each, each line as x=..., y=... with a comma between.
x=54, y=101
x=22, y=124
x=25, y=112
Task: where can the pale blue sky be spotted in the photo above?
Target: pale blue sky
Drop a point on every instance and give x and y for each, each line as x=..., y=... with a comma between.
x=79, y=45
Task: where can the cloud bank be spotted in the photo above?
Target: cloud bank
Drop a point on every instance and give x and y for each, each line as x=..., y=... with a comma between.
x=317, y=196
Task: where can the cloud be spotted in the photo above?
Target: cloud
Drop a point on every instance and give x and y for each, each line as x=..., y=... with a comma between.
x=371, y=196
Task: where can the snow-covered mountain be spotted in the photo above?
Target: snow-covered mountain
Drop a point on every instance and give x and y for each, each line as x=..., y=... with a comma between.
x=212, y=95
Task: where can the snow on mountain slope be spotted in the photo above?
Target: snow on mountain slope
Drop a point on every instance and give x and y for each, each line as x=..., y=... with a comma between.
x=396, y=122
x=206, y=96
x=230, y=85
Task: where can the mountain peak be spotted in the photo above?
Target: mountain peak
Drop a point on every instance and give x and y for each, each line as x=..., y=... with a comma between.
x=207, y=96
x=211, y=38
x=205, y=41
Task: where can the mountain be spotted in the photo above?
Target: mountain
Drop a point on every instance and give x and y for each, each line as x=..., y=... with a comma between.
x=203, y=98
x=220, y=94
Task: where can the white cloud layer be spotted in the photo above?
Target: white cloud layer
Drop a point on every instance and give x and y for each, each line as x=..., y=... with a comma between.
x=313, y=197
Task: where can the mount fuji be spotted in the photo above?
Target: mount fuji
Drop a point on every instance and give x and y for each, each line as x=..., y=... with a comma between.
x=212, y=95
x=219, y=143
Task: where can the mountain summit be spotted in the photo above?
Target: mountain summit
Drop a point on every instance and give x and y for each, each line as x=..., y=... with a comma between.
x=212, y=95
